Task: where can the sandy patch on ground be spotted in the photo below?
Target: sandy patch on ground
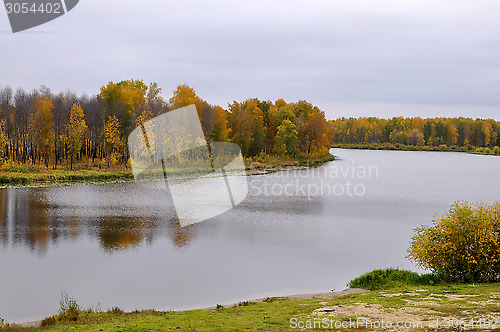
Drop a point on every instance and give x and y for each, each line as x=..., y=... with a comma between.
x=417, y=310
x=377, y=312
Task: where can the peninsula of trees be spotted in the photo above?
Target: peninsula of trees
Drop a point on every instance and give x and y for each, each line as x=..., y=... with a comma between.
x=56, y=130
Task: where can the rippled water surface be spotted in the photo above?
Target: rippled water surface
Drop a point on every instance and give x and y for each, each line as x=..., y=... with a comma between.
x=297, y=232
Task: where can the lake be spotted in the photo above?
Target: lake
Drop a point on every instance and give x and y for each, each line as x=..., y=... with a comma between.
x=301, y=231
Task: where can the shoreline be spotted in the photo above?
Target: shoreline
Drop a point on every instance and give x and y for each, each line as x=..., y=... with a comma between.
x=306, y=296
x=425, y=307
x=89, y=177
x=412, y=148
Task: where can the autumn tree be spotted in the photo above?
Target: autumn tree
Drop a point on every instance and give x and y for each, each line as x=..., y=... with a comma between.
x=76, y=129
x=131, y=102
x=415, y=137
x=286, y=138
x=486, y=130
x=185, y=95
x=151, y=106
x=258, y=129
x=214, y=119
x=272, y=121
x=114, y=144
x=216, y=122
x=121, y=100
x=4, y=140
x=451, y=133
x=462, y=245
x=240, y=122
x=145, y=116
x=247, y=126
x=42, y=125
x=314, y=133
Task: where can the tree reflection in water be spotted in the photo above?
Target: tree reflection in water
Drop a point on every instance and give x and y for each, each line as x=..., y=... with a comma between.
x=29, y=218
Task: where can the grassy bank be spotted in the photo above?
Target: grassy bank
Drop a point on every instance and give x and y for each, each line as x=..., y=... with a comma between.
x=269, y=163
x=402, y=147
x=15, y=175
x=448, y=303
x=39, y=175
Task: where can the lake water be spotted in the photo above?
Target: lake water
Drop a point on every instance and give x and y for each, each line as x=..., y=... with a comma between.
x=300, y=231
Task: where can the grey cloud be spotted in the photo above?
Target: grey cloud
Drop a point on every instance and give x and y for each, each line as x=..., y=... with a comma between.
x=402, y=52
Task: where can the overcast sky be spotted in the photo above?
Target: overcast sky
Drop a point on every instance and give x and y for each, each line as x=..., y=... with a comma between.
x=351, y=58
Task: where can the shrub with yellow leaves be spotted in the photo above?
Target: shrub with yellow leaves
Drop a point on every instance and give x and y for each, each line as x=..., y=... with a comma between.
x=463, y=245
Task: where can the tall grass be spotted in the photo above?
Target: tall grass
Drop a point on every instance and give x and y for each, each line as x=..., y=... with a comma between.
x=392, y=278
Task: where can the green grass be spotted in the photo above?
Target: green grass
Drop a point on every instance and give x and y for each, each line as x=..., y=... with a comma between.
x=263, y=316
x=392, y=278
x=444, y=301
x=55, y=177
x=274, y=162
x=20, y=169
x=84, y=171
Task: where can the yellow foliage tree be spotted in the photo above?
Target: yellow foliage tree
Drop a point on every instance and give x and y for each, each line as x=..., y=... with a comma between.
x=123, y=100
x=286, y=138
x=184, y=95
x=4, y=139
x=145, y=116
x=214, y=119
x=114, y=144
x=486, y=130
x=463, y=245
x=42, y=126
x=76, y=129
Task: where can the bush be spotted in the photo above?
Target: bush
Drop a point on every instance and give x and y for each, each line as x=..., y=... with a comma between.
x=20, y=169
x=126, y=175
x=261, y=157
x=487, y=150
x=496, y=150
x=68, y=309
x=4, y=179
x=6, y=165
x=116, y=311
x=49, y=321
x=20, y=180
x=463, y=245
x=443, y=147
x=391, y=278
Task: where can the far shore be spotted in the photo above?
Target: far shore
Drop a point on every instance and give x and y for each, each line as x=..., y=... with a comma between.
x=425, y=148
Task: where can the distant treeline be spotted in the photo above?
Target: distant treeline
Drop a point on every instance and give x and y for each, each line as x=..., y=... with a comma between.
x=435, y=132
x=42, y=127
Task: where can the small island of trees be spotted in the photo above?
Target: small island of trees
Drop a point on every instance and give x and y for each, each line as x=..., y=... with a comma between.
x=41, y=131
